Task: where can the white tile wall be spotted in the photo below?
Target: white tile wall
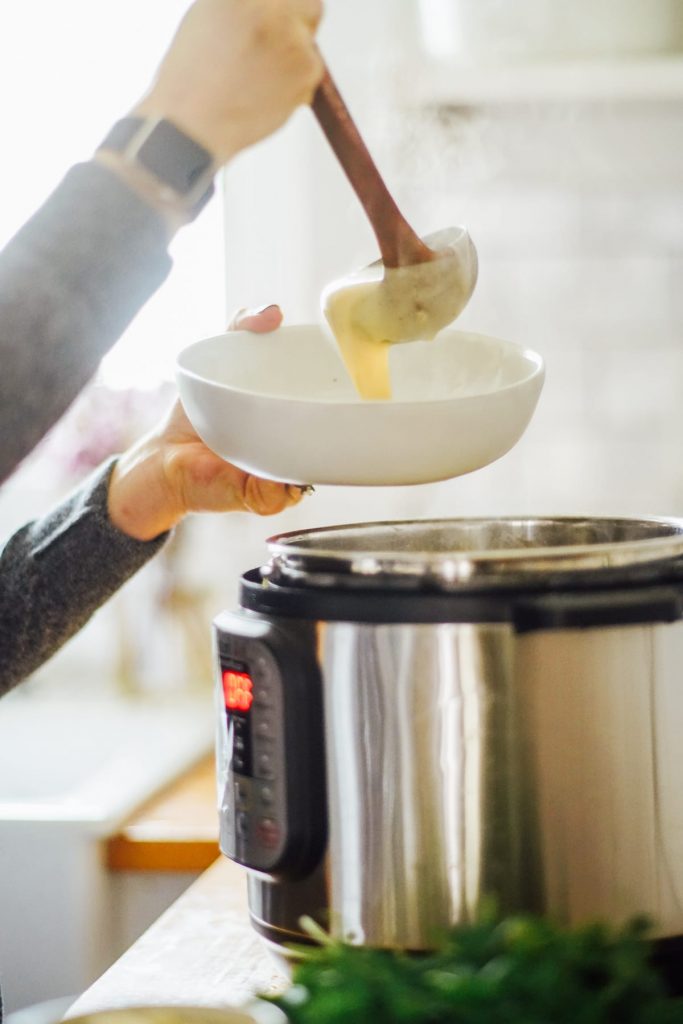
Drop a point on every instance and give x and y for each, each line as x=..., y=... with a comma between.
x=578, y=218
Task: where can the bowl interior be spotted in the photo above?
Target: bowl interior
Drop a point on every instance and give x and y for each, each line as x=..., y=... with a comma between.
x=302, y=363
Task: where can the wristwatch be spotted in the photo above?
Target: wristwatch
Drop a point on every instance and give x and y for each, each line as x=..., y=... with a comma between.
x=179, y=163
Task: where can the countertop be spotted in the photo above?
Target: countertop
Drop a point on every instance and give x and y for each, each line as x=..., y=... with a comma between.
x=201, y=952
x=177, y=830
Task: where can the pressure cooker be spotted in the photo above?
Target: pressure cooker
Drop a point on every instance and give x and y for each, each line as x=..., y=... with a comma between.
x=414, y=716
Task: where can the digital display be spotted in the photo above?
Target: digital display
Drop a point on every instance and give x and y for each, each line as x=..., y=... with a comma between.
x=238, y=690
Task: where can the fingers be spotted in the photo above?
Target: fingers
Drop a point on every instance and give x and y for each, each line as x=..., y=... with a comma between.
x=316, y=72
x=310, y=11
x=267, y=498
x=259, y=321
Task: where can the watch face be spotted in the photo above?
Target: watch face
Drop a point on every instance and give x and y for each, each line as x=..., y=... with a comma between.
x=165, y=151
x=174, y=157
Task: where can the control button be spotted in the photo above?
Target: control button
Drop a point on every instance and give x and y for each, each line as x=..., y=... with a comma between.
x=242, y=823
x=268, y=833
x=262, y=697
x=264, y=728
x=265, y=766
x=266, y=794
x=241, y=795
x=238, y=764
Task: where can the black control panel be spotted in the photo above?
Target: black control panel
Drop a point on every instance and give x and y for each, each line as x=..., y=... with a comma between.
x=270, y=746
x=254, y=809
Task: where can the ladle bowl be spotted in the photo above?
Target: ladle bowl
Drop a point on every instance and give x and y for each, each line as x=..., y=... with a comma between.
x=444, y=284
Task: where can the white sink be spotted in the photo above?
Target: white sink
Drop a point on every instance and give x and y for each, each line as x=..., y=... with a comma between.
x=94, y=762
x=70, y=773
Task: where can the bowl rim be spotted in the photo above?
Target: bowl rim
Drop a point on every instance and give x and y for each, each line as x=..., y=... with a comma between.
x=535, y=361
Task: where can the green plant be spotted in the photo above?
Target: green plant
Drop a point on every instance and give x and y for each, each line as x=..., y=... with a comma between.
x=516, y=970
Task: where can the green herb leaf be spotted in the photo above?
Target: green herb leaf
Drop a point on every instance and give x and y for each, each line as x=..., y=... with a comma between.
x=516, y=970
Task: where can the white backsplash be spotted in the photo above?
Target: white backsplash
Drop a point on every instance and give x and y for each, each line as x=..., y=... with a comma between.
x=580, y=241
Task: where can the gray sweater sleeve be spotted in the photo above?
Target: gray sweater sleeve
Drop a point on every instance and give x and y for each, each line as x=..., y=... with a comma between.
x=71, y=280
x=55, y=572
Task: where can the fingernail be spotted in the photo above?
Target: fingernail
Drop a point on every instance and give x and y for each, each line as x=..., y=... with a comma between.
x=266, y=309
x=300, y=490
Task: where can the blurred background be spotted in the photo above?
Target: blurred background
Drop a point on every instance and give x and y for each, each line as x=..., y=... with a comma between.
x=552, y=130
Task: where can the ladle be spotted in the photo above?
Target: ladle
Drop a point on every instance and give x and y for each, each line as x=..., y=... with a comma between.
x=438, y=295
x=399, y=245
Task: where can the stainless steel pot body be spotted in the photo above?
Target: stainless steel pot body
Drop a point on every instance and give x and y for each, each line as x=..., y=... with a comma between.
x=534, y=755
x=464, y=762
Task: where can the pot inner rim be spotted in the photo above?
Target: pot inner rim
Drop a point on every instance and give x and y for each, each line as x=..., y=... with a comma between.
x=468, y=549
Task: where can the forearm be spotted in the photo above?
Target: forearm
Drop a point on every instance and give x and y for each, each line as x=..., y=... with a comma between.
x=70, y=283
x=56, y=571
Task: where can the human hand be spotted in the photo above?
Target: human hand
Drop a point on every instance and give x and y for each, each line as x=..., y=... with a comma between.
x=171, y=472
x=236, y=70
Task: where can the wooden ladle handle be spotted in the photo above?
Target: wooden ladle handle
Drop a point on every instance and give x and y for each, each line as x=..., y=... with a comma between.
x=398, y=243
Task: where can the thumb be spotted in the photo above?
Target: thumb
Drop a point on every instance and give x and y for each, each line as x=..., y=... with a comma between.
x=260, y=321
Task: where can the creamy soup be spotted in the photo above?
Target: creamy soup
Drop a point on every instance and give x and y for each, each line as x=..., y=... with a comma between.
x=377, y=307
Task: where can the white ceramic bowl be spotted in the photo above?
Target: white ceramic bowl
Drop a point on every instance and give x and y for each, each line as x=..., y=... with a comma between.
x=254, y=1012
x=282, y=406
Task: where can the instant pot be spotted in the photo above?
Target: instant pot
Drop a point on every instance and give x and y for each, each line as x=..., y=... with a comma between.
x=417, y=715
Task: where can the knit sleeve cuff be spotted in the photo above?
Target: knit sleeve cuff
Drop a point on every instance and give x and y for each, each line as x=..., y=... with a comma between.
x=84, y=519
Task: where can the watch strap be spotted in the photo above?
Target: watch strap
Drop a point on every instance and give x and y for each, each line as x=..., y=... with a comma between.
x=172, y=157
